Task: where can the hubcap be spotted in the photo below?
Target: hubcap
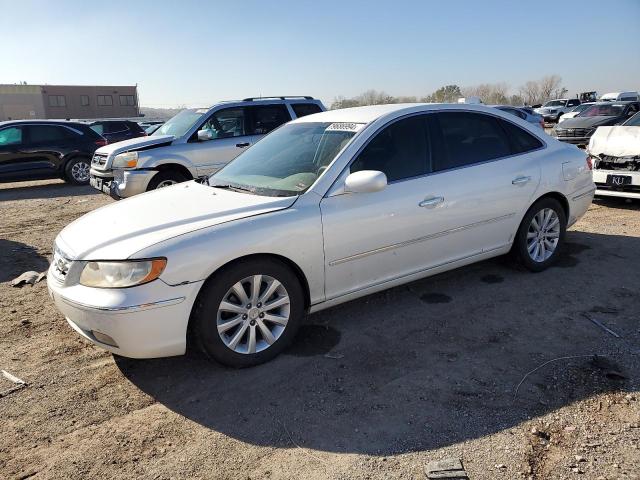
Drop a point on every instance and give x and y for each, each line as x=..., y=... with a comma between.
x=80, y=171
x=543, y=235
x=166, y=183
x=253, y=314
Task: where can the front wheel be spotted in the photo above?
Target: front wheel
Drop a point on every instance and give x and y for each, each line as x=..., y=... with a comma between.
x=165, y=179
x=247, y=313
x=76, y=171
x=541, y=235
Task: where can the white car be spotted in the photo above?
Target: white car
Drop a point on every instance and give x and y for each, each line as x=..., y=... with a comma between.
x=575, y=111
x=553, y=110
x=325, y=209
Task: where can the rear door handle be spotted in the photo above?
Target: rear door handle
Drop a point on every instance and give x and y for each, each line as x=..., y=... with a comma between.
x=520, y=180
x=242, y=145
x=431, y=202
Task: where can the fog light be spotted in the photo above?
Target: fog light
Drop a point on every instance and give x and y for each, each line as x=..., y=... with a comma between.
x=104, y=338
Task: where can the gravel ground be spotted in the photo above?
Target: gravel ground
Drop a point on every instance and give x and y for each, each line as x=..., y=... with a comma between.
x=373, y=389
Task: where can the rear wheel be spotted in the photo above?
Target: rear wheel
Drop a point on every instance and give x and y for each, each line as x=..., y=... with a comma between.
x=165, y=179
x=247, y=313
x=76, y=171
x=541, y=235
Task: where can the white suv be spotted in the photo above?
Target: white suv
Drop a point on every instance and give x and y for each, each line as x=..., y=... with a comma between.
x=195, y=143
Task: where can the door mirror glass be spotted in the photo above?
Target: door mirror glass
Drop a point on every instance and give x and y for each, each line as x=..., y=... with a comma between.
x=365, y=181
x=204, y=135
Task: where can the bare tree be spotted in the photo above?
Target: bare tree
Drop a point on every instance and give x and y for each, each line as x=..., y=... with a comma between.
x=549, y=85
x=489, y=93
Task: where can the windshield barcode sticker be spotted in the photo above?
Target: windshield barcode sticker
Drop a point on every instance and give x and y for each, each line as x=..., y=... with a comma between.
x=345, y=127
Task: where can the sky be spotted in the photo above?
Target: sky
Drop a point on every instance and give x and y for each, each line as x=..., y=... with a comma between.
x=194, y=53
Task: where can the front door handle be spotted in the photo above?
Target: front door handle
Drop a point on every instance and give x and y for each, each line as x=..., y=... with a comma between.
x=520, y=180
x=431, y=202
x=242, y=145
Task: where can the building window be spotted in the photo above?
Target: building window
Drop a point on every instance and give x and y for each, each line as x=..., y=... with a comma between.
x=84, y=100
x=127, y=100
x=105, y=100
x=57, y=101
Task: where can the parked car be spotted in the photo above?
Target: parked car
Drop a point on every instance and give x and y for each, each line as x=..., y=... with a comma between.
x=117, y=130
x=615, y=152
x=575, y=111
x=38, y=149
x=194, y=143
x=326, y=209
x=554, y=109
x=579, y=129
x=528, y=115
x=620, y=97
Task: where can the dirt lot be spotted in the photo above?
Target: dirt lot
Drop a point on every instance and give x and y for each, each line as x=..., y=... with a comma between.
x=373, y=389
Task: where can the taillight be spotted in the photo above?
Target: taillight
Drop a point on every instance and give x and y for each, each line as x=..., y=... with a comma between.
x=589, y=162
x=101, y=142
x=542, y=123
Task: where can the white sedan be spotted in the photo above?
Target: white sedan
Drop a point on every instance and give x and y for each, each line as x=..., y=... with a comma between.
x=327, y=208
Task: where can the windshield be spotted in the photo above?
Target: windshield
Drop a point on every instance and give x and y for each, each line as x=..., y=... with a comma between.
x=287, y=161
x=633, y=121
x=603, y=111
x=555, y=103
x=181, y=123
x=580, y=108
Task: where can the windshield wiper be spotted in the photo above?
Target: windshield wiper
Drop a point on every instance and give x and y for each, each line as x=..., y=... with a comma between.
x=227, y=186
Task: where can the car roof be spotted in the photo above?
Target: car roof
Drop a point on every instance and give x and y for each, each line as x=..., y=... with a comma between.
x=371, y=113
x=40, y=122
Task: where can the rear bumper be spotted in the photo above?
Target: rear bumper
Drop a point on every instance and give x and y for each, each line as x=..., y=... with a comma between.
x=631, y=190
x=579, y=203
x=121, y=183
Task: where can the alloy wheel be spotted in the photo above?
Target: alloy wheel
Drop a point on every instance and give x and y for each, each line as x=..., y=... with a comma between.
x=543, y=235
x=80, y=172
x=253, y=314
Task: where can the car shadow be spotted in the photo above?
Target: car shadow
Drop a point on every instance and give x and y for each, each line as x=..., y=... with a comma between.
x=618, y=202
x=428, y=364
x=43, y=189
x=17, y=258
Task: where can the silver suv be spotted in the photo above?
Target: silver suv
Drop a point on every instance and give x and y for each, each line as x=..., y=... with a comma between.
x=194, y=143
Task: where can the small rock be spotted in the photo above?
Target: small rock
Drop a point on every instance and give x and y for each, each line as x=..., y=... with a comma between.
x=501, y=466
x=580, y=458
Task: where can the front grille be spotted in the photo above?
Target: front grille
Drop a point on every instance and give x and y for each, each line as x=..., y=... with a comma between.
x=573, y=132
x=99, y=160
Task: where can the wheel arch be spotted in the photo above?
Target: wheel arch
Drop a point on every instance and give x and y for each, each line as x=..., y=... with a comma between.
x=560, y=198
x=70, y=156
x=165, y=167
x=295, y=268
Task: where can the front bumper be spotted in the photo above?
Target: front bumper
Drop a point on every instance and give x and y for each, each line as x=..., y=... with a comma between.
x=147, y=321
x=121, y=183
x=551, y=117
x=609, y=189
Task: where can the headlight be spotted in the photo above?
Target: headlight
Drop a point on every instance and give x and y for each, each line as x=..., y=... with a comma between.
x=126, y=160
x=121, y=274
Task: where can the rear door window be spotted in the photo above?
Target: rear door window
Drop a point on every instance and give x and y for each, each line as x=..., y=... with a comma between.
x=303, y=109
x=11, y=136
x=265, y=118
x=48, y=134
x=520, y=140
x=465, y=138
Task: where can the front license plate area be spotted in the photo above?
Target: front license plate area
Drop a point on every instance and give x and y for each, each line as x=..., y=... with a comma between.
x=618, y=180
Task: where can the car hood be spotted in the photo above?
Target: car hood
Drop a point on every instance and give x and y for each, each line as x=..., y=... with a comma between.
x=615, y=141
x=119, y=230
x=588, y=122
x=135, y=144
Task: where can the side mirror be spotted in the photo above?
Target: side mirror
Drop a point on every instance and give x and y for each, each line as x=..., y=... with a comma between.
x=204, y=135
x=365, y=181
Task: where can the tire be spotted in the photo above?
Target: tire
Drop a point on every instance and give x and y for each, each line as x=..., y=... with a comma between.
x=533, y=252
x=76, y=171
x=215, y=330
x=165, y=178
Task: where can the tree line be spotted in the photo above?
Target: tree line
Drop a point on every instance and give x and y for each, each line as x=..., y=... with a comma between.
x=532, y=92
